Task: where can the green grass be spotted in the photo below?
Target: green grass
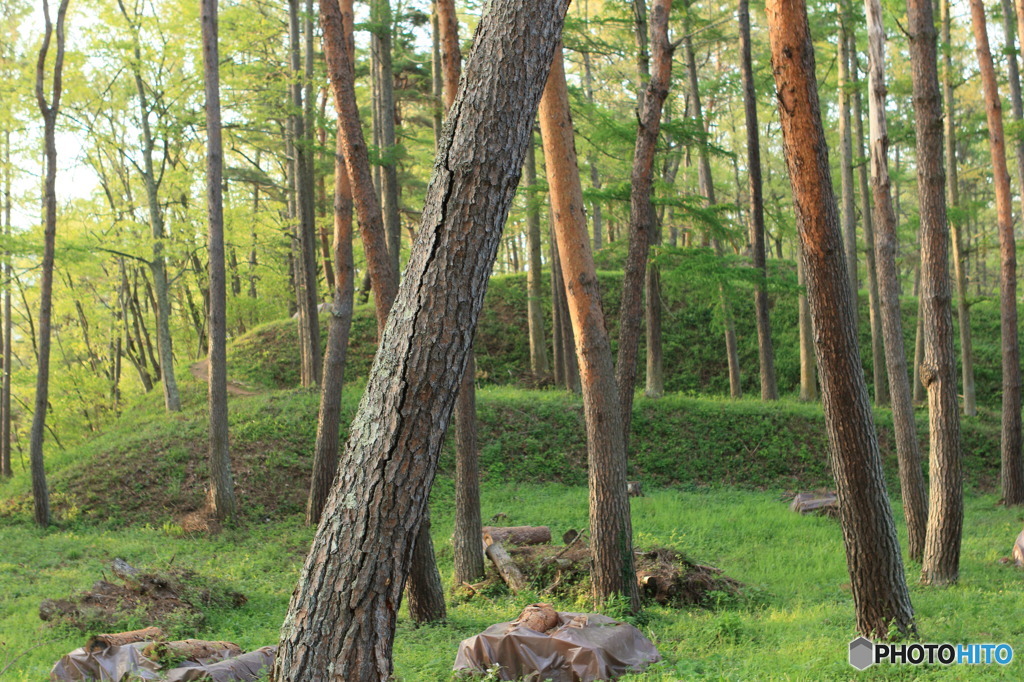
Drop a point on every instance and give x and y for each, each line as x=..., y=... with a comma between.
x=795, y=622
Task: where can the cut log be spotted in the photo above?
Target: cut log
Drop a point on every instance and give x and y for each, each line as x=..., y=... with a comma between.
x=1018, y=550
x=634, y=489
x=517, y=535
x=539, y=617
x=102, y=642
x=196, y=650
x=821, y=502
x=507, y=568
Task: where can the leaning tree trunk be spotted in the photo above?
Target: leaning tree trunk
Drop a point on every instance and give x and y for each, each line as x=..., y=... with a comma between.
x=49, y=110
x=610, y=525
x=766, y=355
x=941, y=565
x=908, y=451
x=963, y=311
x=879, y=586
x=1012, y=469
x=642, y=220
x=325, y=450
x=341, y=620
x=223, y=487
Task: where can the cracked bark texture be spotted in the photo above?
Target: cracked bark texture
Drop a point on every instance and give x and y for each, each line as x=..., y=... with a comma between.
x=879, y=586
x=341, y=619
x=941, y=563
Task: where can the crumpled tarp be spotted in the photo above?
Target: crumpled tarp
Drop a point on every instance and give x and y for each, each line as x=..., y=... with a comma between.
x=241, y=667
x=110, y=664
x=117, y=662
x=581, y=648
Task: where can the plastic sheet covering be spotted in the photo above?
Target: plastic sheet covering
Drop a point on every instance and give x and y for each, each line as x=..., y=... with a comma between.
x=581, y=648
x=243, y=667
x=113, y=663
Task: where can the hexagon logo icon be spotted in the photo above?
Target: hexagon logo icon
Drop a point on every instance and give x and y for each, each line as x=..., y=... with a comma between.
x=862, y=653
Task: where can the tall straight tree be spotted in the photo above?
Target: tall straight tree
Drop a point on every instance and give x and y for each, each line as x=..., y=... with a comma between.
x=384, y=121
x=963, y=310
x=1012, y=465
x=325, y=450
x=611, y=529
x=223, y=487
x=304, y=252
x=642, y=219
x=847, y=212
x=755, y=217
x=707, y=190
x=941, y=565
x=908, y=450
x=48, y=110
x=880, y=594
x=5, y=385
x=808, y=365
x=341, y=619
x=539, y=365
x=158, y=266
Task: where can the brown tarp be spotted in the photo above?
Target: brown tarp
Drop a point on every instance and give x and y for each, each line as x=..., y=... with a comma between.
x=581, y=648
x=243, y=667
x=110, y=664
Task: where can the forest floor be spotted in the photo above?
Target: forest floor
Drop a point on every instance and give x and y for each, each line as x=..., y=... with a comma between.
x=201, y=371
x=793, y=621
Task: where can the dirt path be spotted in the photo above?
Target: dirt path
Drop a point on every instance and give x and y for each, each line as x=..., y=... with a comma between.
x=201, y=371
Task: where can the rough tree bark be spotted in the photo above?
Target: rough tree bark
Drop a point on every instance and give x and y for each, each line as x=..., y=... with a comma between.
x=941, y=564
x=808, y=365
x=848, y=212
x=908, y=451
x=879, y=587
x=642, y=220
x=325, y=450
x=963, y=311
x=341, y=620
x=222, y=484
x=1012, y=466
x=49, y=111
x=610, y=525
x=766, y=354
x=384, y=120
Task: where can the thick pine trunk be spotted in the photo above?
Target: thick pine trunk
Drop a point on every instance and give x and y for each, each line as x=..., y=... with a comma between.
x=222, y=484
x=365, y=540
x=908, y=450
x=941, y=563
x=953, y=197
x=642, y=220
x=879, y=586
x=766, y=354
x=1012, y=466
x=610, y=525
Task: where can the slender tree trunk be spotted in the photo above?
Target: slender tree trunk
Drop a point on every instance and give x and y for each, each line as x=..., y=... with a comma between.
x=808, y=365
x=595, y=178
x=654, y=379
x=918, y=344
x=878, y=368
x=469, y=555
x=565, y=335
x=435, y=76
x=223, y=488
x=908, y=450
x=325, y=450
x=766, y=354
x=49, y=111
x=610, y=525
x=953, y=197
x=534, y=315
x=941, y=565
x=707, y=190
x=557, y=344
x=380, y=40
x=305, y=228
x=341, y=620
x=879, y=586
x=5, y=389
x=642, y=219
x=848, y=212
x=451, y=56
x=1012, y=469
